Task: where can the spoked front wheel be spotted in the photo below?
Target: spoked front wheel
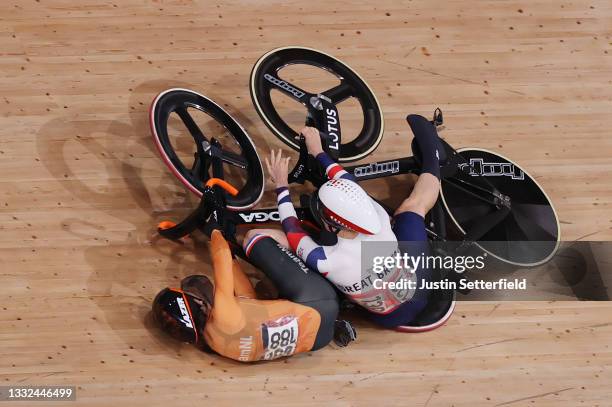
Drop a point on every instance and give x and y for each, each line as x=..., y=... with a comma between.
x=191, y=131
x=345, y=85
x=527, y=232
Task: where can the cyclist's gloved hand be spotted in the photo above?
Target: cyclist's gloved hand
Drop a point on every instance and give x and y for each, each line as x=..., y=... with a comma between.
x=344, y=333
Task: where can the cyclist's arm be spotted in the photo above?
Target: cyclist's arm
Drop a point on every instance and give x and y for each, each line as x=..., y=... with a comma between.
x=226, y=312
x=333, y=169
x=312, y=137
x=302, y=244
x=242, y=284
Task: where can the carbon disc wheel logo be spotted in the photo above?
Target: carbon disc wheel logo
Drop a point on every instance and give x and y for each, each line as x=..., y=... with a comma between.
x=478, y=167
x=284, y=86
x=391, y=167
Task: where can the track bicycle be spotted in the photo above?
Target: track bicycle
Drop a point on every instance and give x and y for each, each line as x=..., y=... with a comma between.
x=486, y=200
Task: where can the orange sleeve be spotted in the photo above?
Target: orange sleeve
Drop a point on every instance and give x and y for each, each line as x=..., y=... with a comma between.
x=242, y=284
x=226, y=312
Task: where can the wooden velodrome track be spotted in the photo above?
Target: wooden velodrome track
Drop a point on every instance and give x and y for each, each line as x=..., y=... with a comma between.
x=82, y=188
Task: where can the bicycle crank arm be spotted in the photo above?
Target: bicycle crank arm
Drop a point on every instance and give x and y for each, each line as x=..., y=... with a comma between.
x=216, y=152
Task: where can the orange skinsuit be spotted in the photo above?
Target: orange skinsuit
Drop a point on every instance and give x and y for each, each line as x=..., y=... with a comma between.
x=246, y=329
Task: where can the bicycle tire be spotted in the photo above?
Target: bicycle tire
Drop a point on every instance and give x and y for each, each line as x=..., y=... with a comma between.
x=532, y=217
x=168, y=102
x=372, y=131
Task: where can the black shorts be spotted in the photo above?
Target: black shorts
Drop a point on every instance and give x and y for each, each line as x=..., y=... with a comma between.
x=296, y=282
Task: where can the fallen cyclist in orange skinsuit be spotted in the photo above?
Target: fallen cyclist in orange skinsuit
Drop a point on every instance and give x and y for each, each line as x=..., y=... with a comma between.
x=231, y=321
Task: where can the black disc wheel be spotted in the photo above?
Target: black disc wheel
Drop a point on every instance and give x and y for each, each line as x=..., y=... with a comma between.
x=266, y=77
x=191, y=131
x=528, y=235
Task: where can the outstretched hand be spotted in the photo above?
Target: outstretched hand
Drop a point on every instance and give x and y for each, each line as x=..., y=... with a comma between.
x=313, y=140
x=278, y=167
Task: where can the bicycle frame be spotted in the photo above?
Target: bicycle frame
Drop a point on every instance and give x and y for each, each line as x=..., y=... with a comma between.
x=212, y=213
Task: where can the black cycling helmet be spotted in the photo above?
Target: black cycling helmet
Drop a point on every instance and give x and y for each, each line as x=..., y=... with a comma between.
x=183, y=312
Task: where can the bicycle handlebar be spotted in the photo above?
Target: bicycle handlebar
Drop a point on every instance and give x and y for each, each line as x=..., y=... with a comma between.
x=226, y=186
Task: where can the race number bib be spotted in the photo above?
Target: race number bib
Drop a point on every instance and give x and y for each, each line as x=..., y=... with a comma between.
x=279, y=337
x=384, y=301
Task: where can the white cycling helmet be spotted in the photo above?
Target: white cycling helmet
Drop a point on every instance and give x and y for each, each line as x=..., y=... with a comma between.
x=343, y=204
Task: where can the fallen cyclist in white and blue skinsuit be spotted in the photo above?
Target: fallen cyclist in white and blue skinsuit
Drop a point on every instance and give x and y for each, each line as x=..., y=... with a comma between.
x=346, y=209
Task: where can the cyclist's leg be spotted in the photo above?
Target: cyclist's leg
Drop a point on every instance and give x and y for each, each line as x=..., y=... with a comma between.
x=409, y=228
x=430, y=150
x=276, y=234
x=427, y=188
x=295, y=281
x=423, y=196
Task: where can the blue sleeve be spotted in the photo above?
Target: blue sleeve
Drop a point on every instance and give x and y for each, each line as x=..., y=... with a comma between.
x=333, y=169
